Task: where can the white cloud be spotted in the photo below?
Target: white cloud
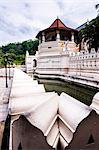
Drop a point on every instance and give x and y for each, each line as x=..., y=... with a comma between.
x=22, y=19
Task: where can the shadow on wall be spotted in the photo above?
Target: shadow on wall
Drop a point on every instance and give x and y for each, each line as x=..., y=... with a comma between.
x=28, y=137
x=6, y=134
x=87, y=134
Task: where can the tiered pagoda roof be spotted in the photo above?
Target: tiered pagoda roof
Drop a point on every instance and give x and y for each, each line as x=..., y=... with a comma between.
x=57, y=25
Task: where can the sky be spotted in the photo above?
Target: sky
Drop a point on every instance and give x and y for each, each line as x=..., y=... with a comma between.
x=21, y=20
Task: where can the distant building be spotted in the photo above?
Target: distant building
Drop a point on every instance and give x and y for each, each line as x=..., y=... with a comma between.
x=84, y=24
x=81, y=26
x=30, y=62
x=97, y=7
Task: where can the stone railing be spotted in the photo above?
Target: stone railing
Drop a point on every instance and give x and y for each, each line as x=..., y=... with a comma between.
x=85, y=59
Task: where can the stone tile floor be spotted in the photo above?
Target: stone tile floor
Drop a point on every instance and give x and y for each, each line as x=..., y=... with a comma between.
x=4, y=94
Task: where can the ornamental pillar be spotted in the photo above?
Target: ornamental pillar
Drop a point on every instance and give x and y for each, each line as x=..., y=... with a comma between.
x=39, y=39
x=57, y=35
x=43, y=37
x=72, y=36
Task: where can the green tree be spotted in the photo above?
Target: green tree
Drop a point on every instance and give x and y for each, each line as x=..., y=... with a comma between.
x=16, y=51
x=90, y=34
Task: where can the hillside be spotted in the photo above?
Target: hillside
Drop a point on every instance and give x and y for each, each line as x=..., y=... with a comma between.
x=16, y=51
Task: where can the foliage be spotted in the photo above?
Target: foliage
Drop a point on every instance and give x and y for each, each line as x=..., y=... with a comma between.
x=15, y=52
x=90, y=34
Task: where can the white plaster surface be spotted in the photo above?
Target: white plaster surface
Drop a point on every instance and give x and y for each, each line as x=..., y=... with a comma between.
x=95, y=103
x=57, y=116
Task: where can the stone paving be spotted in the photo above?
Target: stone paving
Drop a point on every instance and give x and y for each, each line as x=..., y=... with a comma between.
x=4, y=98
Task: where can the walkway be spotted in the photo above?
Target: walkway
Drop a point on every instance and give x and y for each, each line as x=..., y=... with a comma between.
x=4, y=98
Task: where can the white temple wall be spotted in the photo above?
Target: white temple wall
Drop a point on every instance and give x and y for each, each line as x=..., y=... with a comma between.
x=54, y=58
x=64, y=64
x=29, y=62
x=85, y=64
x=50, y=64
x=89, y=60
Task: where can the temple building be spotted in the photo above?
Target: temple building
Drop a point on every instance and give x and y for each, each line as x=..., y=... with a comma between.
x=55, y=43
x=59, y=54
x=52, y=51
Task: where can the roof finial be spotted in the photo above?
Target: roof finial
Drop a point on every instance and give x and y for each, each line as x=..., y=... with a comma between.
x=57, y=17
x=87, y=21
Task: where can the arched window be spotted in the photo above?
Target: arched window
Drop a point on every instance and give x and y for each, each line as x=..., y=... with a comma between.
x=34, y=63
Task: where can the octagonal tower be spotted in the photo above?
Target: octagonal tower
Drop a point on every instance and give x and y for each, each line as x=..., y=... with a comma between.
x=55, y=44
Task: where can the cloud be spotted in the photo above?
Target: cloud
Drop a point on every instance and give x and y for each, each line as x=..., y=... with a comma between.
x=22, y=20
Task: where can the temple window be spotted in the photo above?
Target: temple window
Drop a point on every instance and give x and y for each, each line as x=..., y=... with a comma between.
x=20, y=146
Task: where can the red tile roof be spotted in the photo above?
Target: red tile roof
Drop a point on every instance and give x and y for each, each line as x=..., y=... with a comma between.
x=58, y=24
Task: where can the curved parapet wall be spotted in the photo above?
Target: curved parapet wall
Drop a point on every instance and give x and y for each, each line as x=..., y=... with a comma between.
x=58, y=117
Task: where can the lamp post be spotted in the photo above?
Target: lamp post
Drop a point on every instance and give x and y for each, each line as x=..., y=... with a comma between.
x=9, y=62
x=9, y=69
x=5, y=59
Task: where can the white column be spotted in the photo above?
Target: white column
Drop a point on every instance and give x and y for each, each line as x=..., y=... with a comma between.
x=72, y=36
x=57, y=36
x=39, y=39
x=43, y=37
